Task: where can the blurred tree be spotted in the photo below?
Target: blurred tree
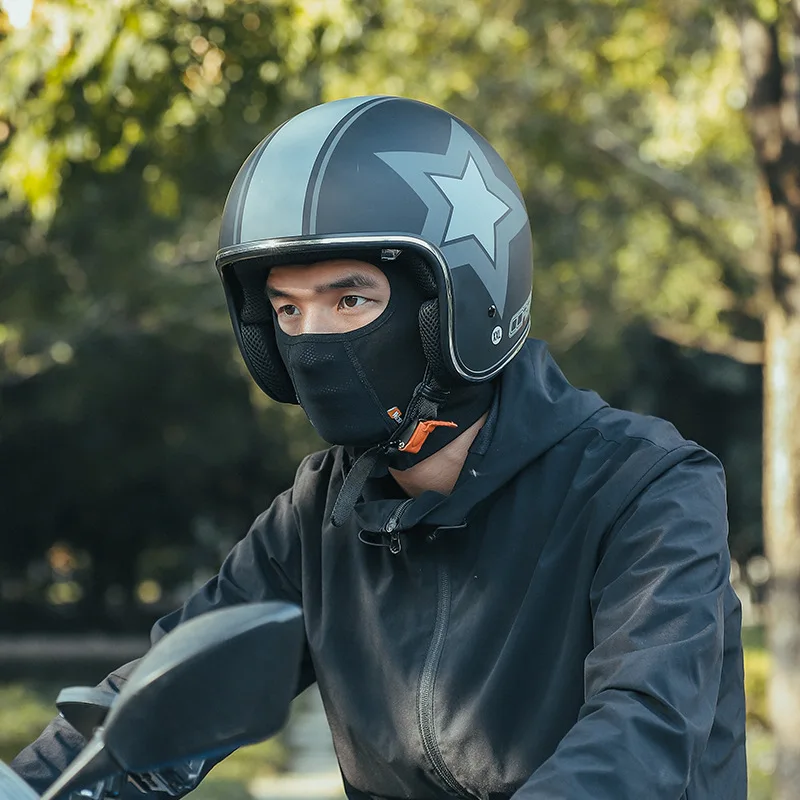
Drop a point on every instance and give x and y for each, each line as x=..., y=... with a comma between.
x=770, y=34
x=126, y=423
x=115, y=160
x=122, y=125
x=621, y=124
x=141, y=442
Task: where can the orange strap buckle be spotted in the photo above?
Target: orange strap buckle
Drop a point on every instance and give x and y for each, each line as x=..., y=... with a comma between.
x=422, y=432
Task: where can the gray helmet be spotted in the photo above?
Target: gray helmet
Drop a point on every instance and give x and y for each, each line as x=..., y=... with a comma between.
x=384, y=178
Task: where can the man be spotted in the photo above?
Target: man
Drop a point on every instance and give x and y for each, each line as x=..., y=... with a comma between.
x=508, y=587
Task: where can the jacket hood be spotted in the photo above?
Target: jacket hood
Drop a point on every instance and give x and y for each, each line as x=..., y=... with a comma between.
x=535, y=407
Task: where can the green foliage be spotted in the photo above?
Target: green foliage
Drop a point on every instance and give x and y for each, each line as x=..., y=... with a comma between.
x=255, y=761
x=24, y=711
x=213, y=788
x=123, y=123
x=760, y=764
x=756, y=674
x=142, y=445
x=754, y=638
x=760, y=744
x=621, y=124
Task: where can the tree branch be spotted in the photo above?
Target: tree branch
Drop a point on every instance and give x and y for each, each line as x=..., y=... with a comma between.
x=672, y=183
x=684, y=335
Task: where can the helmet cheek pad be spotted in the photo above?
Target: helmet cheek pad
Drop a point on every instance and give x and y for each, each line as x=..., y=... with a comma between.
x=245, y=290
x=430, y=330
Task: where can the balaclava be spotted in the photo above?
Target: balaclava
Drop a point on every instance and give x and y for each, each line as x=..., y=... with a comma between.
x=356, y=386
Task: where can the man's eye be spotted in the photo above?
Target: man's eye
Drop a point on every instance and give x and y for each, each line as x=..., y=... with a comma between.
x=288, y=311
x=352, y=301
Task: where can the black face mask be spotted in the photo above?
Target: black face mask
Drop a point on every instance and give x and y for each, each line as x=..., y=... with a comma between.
x=354, y=385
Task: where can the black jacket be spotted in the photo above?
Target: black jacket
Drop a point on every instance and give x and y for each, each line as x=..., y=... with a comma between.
x=561, y=626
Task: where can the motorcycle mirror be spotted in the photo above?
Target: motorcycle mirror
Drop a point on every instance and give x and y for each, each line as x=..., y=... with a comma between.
x=217, y=682
x=85, y=707
x=12, y=787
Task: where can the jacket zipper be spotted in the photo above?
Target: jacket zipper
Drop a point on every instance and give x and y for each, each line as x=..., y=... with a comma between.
x=428, y=681
x=390, y=527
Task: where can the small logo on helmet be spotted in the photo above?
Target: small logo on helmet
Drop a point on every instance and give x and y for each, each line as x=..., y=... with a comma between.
x=497, y=335
x=519, y=319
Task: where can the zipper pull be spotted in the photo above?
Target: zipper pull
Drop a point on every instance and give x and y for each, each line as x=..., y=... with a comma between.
x=394, y=535
x=392, y=524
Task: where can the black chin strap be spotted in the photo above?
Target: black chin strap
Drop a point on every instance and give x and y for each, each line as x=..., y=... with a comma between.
x=424, y=407
x=354, y=484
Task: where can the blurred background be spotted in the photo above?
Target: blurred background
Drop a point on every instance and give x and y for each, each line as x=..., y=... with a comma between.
x=134, y=451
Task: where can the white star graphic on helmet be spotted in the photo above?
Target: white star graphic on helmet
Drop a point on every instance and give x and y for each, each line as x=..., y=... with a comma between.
x=476, y=210
x=473, y=215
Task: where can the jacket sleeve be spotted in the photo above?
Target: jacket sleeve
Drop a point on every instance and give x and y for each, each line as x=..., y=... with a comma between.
x=265, y=565
x=652, y=678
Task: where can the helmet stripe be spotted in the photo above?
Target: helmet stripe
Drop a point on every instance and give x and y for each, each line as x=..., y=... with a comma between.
x=318, y=174
x=239, y=191
x=277, y=188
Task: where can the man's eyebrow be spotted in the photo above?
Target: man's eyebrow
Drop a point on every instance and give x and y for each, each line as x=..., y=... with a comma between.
x=355, y=280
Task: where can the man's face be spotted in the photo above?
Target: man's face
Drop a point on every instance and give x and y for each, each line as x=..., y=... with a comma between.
x=328, y=296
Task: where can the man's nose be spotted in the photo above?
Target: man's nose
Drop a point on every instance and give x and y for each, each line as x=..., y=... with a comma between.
x=316, y=320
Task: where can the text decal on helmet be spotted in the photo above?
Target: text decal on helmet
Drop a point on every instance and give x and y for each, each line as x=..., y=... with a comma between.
x=520, y=318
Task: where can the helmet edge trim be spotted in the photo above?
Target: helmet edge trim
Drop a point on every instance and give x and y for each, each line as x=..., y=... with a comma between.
x=254, y=249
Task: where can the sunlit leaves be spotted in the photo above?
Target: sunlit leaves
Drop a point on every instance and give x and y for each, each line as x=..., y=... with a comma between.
x=621, y=121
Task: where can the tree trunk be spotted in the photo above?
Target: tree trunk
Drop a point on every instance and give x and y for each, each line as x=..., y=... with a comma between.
x=774, y=119
x=782, y=539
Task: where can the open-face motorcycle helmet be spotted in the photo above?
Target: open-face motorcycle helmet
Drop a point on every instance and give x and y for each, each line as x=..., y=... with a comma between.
x=387, y=180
